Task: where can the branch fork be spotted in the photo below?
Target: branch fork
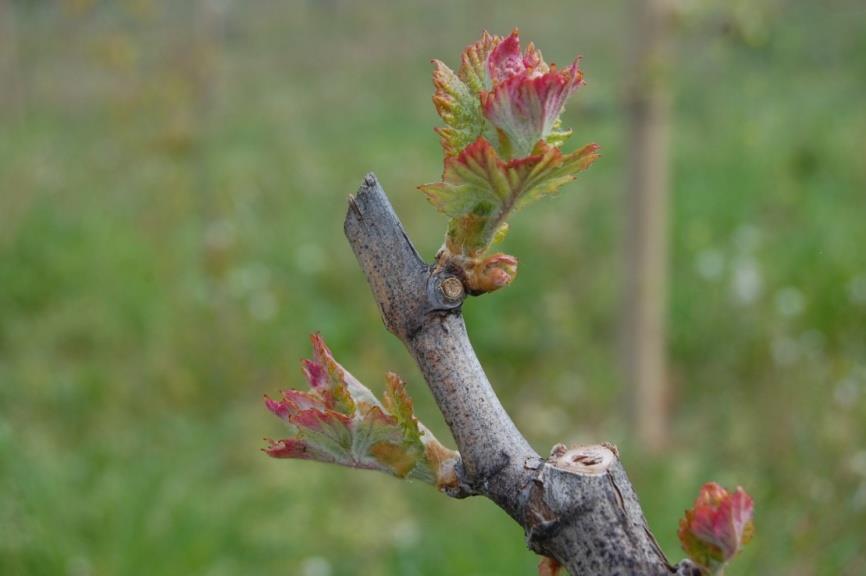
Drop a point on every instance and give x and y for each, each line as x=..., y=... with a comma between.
x=577, y=506
x=501, y=141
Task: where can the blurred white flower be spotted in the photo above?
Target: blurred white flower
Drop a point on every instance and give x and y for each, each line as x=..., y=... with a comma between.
x=812, y=343
x=542, y=419
x=710, y=264
x=316, y=566
x=857, y=290
x=747, y=238
x=790, y=302
x=219, y=7
x=821, y=489
x=857, y=463
x=263, y=305
x=747, y=281
x=406, y=533
x=846, y=392
x=78, y=566
x=309, y=258
x=858, y=501
x=219, y=235
x=249, y=278
x=785, y=351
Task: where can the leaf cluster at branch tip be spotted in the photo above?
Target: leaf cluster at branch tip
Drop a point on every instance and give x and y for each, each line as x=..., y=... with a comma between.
x=501, y=144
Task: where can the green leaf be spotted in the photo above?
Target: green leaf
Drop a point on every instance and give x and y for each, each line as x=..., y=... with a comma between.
x=473, y=63
x=458, y=107
x=398, y=403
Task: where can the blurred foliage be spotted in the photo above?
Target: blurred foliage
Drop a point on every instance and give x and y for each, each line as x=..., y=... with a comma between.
x=173, y=178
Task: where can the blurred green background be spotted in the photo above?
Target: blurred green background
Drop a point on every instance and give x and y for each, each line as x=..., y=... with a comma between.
x=173, y=179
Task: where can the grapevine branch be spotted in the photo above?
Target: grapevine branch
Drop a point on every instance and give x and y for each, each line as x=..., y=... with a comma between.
x=576, y=506
x=502, y=143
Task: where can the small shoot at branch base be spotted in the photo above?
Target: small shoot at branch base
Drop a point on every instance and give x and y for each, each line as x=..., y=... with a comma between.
x=339, y=420
x=501, y=143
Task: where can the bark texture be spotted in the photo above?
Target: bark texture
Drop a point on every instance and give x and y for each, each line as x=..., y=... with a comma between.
x=577, y=505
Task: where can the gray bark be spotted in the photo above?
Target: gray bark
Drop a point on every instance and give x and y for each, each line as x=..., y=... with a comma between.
x=577, y=505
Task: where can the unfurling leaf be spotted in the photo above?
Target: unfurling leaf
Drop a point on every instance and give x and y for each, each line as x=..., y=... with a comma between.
x=460, y=109
x=501, y=144
x=717, y=527
x=479, y=189
x=527, y=96
x=339, y=420
x=473, y=63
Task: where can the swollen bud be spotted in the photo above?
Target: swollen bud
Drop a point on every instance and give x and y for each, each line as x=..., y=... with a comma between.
x=717, y=527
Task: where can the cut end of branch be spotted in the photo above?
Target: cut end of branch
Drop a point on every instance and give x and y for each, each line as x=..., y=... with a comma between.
x=370, y=179
x=393, y=267
x=591, y=460
x=369, y=185
x=452, y=288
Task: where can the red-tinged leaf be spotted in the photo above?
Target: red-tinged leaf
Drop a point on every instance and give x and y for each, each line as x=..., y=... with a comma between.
x=479, y=191
x=288, y=448
x=278, y=408
x=345, y=388
x=506, y=60
x=533, y=60
x=527, y=96
x=717, y=527
x=399, y=461
x=458, y=107
x=323, y=421
x=328, y=431
x=375, y=427
x=326, y=378
x=398, y=403
x=315, y=374
x=303, y=400
x=526, y=108
x=340, y=421
x=473, y=63
x=473, y=184
x=548, y=169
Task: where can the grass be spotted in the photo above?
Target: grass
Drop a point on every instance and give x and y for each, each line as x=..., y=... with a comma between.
x=171, y=205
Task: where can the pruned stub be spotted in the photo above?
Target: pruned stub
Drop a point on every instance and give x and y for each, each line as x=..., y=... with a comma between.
x=591, y=460
x=551, y=498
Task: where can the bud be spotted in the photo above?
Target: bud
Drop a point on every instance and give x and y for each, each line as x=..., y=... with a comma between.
x=717, y=527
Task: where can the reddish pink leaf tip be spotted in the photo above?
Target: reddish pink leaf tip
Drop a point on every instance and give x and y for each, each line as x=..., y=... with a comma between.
x=287, y=448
